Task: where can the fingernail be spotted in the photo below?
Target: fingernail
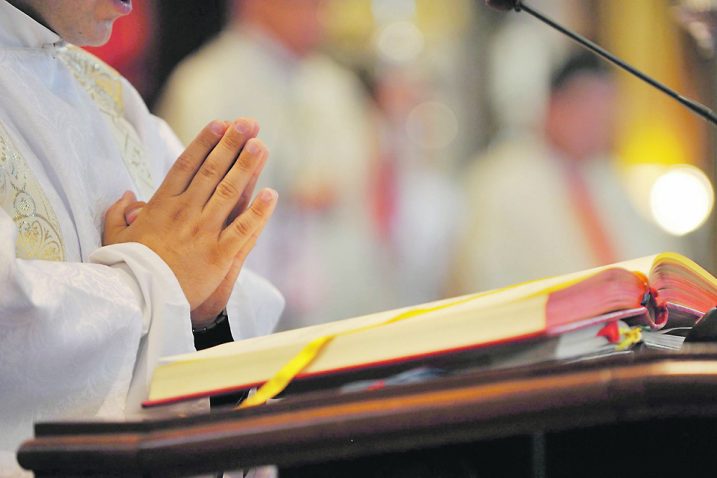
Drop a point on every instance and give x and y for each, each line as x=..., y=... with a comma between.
x=268, y=195
x=252, y=147
x=241, y=127
x=132, y=215
x=217, y=127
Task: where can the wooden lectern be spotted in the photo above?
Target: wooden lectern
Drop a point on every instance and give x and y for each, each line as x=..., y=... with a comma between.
x=634, y=414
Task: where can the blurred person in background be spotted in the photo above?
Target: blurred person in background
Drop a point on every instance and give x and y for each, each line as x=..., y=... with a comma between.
x=320, y=246
x=552, y=201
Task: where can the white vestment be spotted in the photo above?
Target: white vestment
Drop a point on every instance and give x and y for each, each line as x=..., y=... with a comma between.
x=82, y=326
x=522, y=223
x=314, y=121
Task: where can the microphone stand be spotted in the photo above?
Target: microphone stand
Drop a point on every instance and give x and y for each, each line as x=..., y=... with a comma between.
x=698, y=108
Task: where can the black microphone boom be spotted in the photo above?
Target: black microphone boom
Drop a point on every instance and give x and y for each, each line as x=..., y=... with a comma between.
x=518, y=6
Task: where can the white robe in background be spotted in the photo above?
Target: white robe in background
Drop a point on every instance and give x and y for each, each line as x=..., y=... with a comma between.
x=521, y=223
x=314, y=121
x=82, y=326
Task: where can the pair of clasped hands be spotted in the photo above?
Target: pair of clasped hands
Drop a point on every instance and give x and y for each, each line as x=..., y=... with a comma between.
x=202, y=221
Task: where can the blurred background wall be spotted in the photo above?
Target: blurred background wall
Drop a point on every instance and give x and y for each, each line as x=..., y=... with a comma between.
x=446, y=83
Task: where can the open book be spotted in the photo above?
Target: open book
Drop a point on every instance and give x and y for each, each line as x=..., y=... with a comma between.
x=650, y=292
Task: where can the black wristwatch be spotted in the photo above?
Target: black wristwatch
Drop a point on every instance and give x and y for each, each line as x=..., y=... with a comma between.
x=217, y=320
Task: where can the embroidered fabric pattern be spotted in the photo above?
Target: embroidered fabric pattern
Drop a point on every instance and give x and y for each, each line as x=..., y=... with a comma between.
x=21, y=196
x=103, y=85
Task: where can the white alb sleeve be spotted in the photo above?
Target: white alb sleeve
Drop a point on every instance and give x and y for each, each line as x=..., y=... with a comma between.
x=81, y=339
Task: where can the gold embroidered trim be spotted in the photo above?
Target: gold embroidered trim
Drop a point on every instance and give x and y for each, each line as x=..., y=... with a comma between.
x=104, y=86
x=21, y=196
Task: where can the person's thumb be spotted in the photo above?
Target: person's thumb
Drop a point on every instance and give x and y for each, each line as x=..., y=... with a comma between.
x=115, y=221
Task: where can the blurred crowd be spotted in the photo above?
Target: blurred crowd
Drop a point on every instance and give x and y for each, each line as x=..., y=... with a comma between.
x=432, y=158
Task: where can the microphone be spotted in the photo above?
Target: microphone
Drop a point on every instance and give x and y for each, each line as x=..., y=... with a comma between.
x=518, y=5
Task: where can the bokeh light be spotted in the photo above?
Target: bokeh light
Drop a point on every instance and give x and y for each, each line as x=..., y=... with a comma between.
x=681, y=199
x=400, y=42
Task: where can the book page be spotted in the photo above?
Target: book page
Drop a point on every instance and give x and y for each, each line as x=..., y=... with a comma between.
x=682, y=283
